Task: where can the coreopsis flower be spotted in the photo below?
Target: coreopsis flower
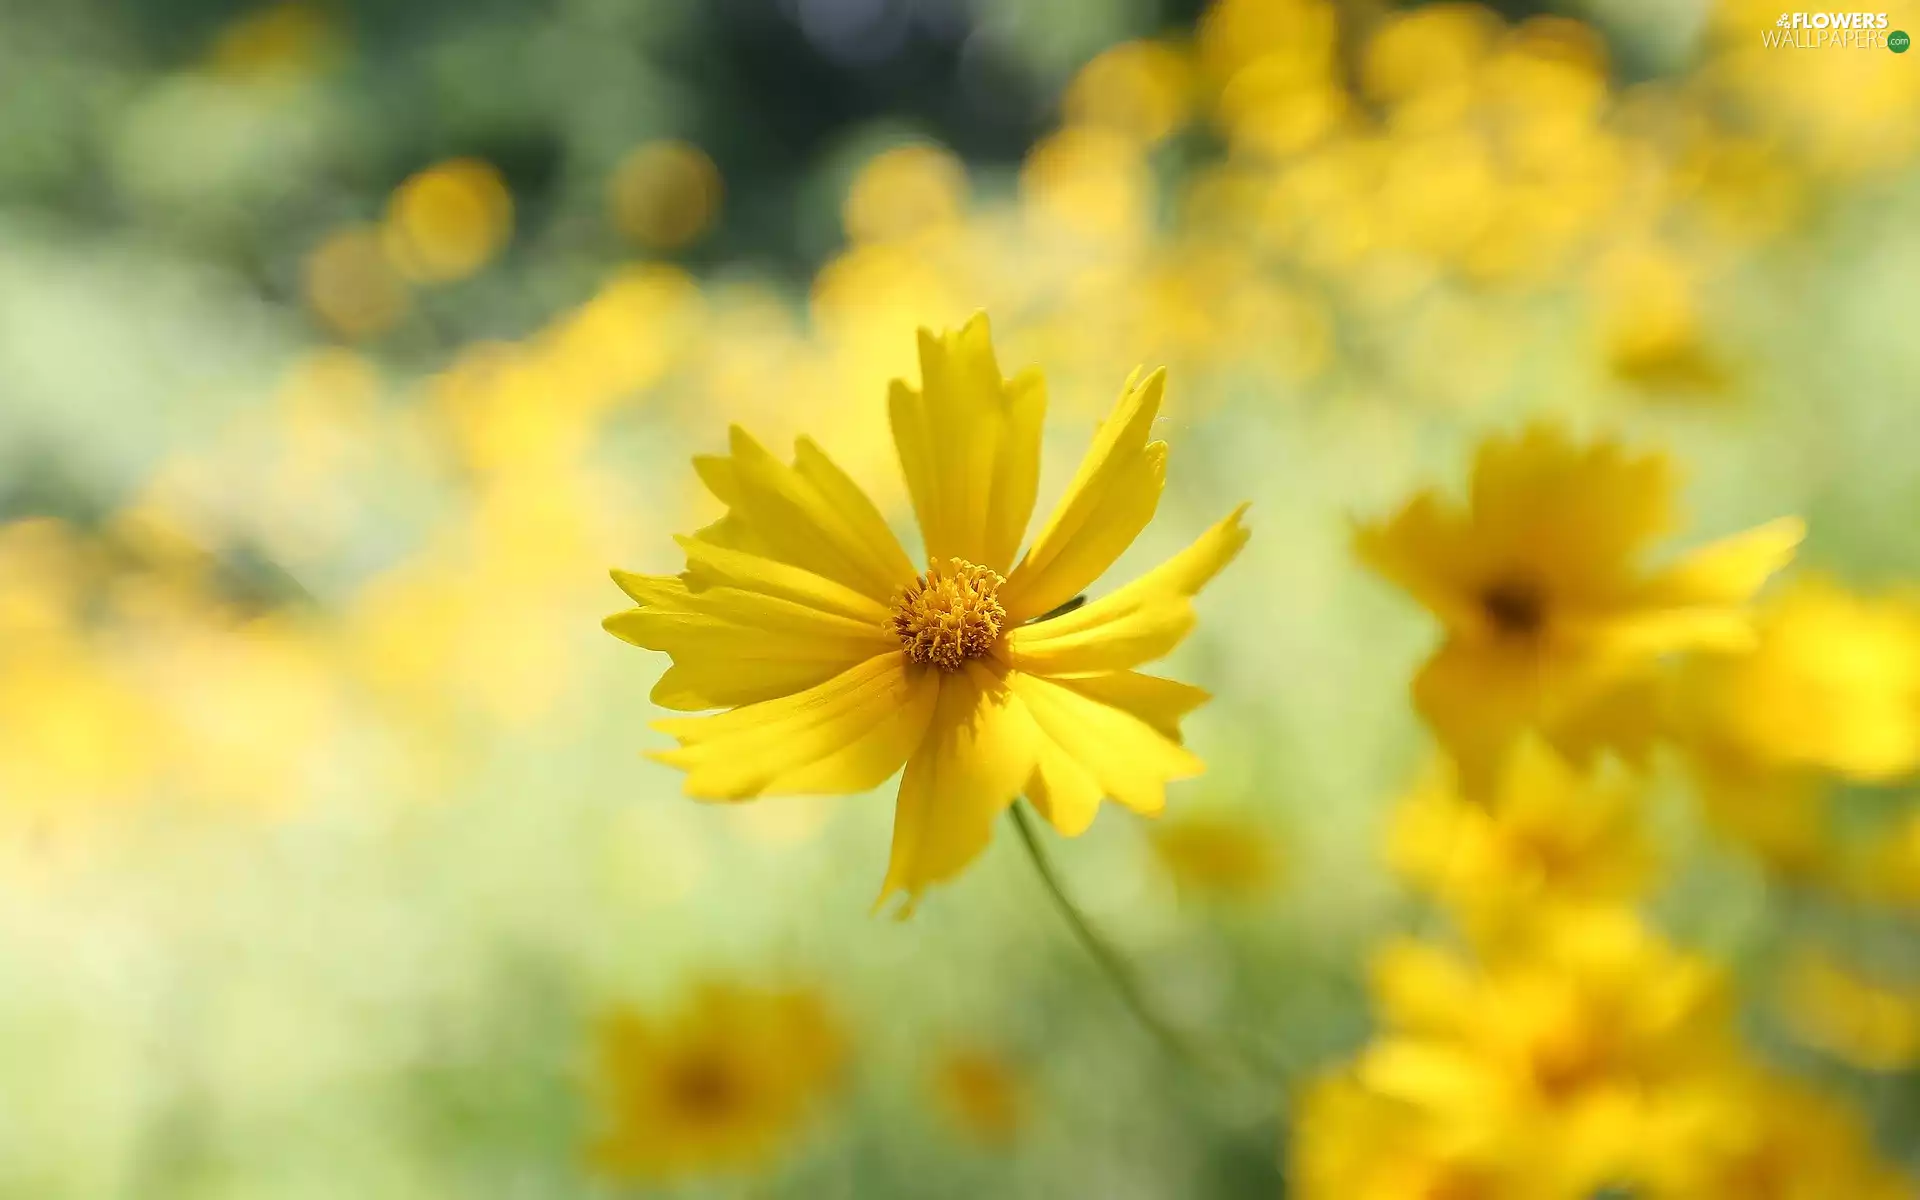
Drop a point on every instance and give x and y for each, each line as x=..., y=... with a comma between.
x=1757, y=1135
x=1547, y=837
x=1217, y=855
x=720, y=1084
x=1832, y=685
x=1551, y=621
x=983, y=1094
x=1830, y=692
x=1580, y=1056
x=1349, y=1142
x=841, y=661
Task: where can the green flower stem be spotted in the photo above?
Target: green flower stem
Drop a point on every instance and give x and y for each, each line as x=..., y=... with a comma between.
x=1111, y=964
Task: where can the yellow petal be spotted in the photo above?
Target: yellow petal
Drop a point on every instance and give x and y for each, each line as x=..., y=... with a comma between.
x=731, y=646
x=1126, y=756
x=1420, y=988
x=1730, y=570
x=1139, y=622
x=1542, y=494
x=845, y=735
x=977, y=754
x=1063, y=790
x=1478, y=700
x=1427, y=550
x=1126, y=640
x=815, y=518
x=1159, y=702
x=1648, y=634
x=713, y=565
x=1110, y=500
x=1066, y=791
x=853, y=506
x=969, y=445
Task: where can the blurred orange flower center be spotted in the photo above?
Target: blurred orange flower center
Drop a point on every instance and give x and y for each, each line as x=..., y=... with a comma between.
x=950, y=614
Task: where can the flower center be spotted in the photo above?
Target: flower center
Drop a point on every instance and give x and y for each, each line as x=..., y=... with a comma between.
x=703, y=1087
x=1515, y=607
x=949, y=615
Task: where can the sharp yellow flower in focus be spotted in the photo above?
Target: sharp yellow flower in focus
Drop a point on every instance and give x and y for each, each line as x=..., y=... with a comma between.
x=723, y=1083
x=842, y=661
x=1546, y=838
x=1550, y=616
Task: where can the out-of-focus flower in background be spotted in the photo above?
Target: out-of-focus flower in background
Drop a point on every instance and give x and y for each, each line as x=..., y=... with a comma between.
x=1217, y=855
x=664, y=195
x=722, y=1083
x=1545, y=838
x=448, y=221
x=983, y=1093
x=1548, y=612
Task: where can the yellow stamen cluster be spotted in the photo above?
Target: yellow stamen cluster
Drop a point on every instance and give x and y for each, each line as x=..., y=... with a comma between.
x=950, y=614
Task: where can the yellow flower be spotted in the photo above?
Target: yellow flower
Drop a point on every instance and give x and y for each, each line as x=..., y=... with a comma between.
x=1351, y=1143
x=1545, y=837
x=1549, y=614
x=721, y=1083
x=799, y=611
x=1831, y=689
x=983, y=1094
x=1760, y=1136
x=1577, y=1056
x=1217, y=855
x=1832, y=684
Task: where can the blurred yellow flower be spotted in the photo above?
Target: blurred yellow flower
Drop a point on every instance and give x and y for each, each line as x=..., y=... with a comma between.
x=1089, y=182
x=1763, y=1137
x=352, y=287
x=720, y=1084
x=664, y=194
x=982, y=1093
x=1140, y=89
x=1651, y=324
x=800, y=612
x=1547, y=611
x=1833, y=684
x=1577, y=1058
x=1351, y=1143
x=904, y=191
x=279, y=41
x=446, y=222
x=1217, y=855
x=1431, y=51
x=1864, y=1023
x=1545, y=837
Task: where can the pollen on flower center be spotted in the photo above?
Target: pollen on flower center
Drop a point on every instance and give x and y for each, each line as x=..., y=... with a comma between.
x=950, y=614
